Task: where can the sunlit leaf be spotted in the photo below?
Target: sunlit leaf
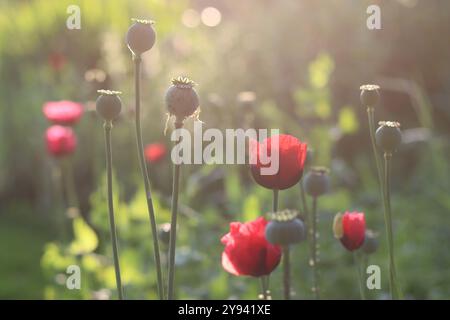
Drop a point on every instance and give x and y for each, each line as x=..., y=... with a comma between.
x=86, y=240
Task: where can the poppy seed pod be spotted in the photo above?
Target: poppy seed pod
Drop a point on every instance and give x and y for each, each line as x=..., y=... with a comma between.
x=317, y=181
x=141, y=36
x=285, y=228
x=388, y=135
x=369, y=94
x=370, y=244
x=182, y=99
x=108, y=104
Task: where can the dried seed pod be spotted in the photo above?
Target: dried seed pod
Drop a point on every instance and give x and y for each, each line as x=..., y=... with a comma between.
x=388, y=136
x=369, y=94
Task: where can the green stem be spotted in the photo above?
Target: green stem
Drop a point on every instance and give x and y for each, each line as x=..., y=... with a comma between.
x=275, y=200
x=173, y=223
x=286, y=273
x=370, y=114
x=358, y=266
x=144, y=171
x=262, y=280
x=388, y=218
x=316, y=288
x=108, y=127
x=58, y=186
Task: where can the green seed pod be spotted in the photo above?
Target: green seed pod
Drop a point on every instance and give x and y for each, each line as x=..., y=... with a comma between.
x=285, y=228
x=141, y=36
x=182, y=99
x=388, y=136
x=285, y=232
x=108, y=104
x=317, y=181
x=370, y=244
x=369, y=94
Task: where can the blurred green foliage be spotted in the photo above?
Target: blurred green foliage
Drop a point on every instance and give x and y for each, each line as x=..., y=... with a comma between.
x=305, y=65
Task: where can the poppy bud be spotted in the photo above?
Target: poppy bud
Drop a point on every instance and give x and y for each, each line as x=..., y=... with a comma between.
x=285, y=228
x=141, y=36
x=182, y=99
x=108, y=104
x=317, y=181
x=350, y=229
x=370, y=244
x=388, y=135
x=369, y=94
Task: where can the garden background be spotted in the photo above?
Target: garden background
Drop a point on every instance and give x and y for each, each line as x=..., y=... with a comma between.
x=303, y=60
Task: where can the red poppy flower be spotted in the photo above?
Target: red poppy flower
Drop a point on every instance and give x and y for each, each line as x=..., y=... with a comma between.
x=155, y=152
x=247, y=252
x=291, y=161
x=350, y=228
x=63, y=112
x=60, y=140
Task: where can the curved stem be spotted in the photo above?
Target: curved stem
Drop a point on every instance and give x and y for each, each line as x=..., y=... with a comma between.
x=388, y=218
x=358, y=266
x=315, y=288
x=286, y=273
x=143, y=165
x=112, y=224
x=173, y=223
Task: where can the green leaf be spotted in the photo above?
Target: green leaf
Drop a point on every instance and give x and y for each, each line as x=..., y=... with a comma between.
x=85, y=240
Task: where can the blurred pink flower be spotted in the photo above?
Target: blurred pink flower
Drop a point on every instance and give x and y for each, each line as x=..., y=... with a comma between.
x=63, y=112
x=61, y=141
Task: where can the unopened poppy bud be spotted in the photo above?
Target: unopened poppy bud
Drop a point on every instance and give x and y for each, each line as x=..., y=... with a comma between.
x=285, y=228
x=141, y=36
x=350, y=229
x=182, y=99
x=317, y=181
x=370, y=244
x=369, y=94
x=108, y=104
x=388, y=136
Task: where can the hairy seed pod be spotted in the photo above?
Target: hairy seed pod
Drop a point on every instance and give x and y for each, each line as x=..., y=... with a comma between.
x=181, y=98
x=388, y=136
x=141, y=36
x=108, y=104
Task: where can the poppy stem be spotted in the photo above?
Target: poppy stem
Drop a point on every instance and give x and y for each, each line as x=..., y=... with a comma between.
x=358, y=265
x=286, y=273
x=108, y=126
x=388, y=217
x=262, y=280
x=371, y=118
x=58, y=186
x=275, y=200
x=313, y=261
x=173, y=222
x=144, y=171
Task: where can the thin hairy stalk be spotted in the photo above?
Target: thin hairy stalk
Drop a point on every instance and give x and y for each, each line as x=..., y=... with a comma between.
x=144, y=171
x=286, y=273
x=316, y=288
x=371, y=118
x=112, y=224
x=358, y=266
x=173, y=223
x=388, y=218
x=263, y=283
